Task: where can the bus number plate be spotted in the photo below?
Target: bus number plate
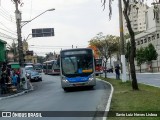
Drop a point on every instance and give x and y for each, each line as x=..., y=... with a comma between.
x=79, y=84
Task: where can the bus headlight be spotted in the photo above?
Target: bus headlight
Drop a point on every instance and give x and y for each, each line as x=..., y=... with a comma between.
x=92, y=77
x=64, y=79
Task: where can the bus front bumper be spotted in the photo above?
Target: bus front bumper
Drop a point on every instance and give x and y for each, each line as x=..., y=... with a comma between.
x=67, y=84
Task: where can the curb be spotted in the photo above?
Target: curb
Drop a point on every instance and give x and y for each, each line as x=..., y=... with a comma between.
x=149, y=73
x=109, y=99
x=149, y=85
x=18, y=94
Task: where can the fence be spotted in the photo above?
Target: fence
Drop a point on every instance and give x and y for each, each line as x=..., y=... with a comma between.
x=153, y=66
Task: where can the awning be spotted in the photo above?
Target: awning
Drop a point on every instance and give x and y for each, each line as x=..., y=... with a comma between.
x=15, y=66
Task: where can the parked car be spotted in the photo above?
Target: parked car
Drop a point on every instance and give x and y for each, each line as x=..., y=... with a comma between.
x=39, y=70
x=32, y=74
x=38, y=67
x=108, y=70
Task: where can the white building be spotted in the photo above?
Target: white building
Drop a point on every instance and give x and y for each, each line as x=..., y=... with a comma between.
x=137, y=18
x=151, y=35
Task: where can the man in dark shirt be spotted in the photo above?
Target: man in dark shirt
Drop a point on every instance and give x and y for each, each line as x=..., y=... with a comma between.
x=117, y=68
x=4, y=79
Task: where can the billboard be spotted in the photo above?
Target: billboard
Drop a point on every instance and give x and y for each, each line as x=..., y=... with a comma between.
x=43, y=32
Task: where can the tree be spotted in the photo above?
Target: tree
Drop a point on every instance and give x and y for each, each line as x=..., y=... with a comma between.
x=127, y=54
x=49, y=56
x=96, y=52
x=150, y=54
x=40, y=59
x=106, y=45
x=140, y=57
x=13, y=48
x=126, y=12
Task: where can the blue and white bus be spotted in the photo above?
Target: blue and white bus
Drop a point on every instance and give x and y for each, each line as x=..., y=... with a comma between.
x=77, y=68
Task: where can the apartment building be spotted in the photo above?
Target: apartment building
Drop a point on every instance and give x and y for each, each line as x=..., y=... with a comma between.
x=151, y=34
x=137, y=17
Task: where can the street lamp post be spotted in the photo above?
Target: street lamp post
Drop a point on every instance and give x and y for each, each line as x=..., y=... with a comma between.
x=19, y=27
x=26, y=22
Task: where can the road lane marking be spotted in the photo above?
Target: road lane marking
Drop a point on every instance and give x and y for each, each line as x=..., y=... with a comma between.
x=109, y=99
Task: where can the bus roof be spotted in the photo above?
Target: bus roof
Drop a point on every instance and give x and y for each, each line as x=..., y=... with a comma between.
x=49, y=61
x=76, y=49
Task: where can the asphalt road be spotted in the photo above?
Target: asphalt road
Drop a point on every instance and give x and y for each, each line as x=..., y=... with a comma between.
x=49, y=96
x=152, y=79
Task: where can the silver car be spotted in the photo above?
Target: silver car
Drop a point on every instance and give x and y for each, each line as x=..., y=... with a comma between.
x=32, y=74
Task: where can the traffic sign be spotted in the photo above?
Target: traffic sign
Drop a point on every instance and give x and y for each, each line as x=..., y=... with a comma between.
x=43, y=32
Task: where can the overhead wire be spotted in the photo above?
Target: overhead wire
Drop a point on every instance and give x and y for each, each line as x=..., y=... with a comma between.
x=55, y=46
x=6, y=27
x=9, y=32
x=7, y=12
x=7, y=36
x=31, y=10
x=7, y=17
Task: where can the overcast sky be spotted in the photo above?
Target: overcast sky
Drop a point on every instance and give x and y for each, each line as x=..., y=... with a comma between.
x=75, y=22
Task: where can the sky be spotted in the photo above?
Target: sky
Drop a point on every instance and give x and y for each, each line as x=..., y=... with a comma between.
x=75, y=22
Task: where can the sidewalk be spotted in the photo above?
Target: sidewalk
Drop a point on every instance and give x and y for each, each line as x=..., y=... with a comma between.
x=14, y=94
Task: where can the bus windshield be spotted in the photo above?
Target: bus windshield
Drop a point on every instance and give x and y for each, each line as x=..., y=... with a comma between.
x=77, y=65
x=55, y=65
x=38, y=66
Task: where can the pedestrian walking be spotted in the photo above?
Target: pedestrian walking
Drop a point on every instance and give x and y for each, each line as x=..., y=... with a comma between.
x=14, y=79
x=3, y=81
x=18, y=78
x=117, y=71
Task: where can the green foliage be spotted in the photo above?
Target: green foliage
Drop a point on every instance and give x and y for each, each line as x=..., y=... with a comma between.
x=13, y=48
x=140, y=56
x=49, y=56
x=127, y=36
x=40, y=59
x=146, y=54
x=150, y=53
x=106, y=45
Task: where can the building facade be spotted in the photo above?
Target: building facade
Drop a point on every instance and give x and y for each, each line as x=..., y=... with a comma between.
x=2, y=51
x=150, y=35
x=137, y=18
x=29, y=56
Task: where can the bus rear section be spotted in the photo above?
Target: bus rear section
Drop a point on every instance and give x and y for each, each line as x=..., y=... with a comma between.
x=51, y=67
x=98, y=66
x=44, y=68
x=77, y=68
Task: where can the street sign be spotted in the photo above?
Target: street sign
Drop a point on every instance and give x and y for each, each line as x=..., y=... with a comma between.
x=43, y=32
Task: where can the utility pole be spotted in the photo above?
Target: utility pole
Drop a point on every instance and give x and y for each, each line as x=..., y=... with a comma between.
x=123, y=61
x=18, y=22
